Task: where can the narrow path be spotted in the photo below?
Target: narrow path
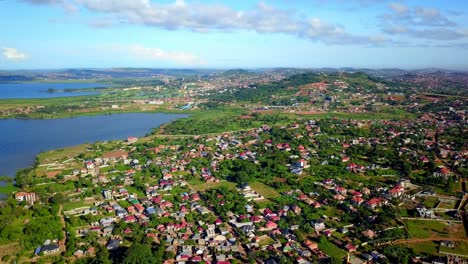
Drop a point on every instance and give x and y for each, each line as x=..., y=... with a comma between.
x=63, y=244
x=422, y=240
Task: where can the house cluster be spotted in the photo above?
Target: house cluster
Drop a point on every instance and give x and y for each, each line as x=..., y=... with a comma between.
x=168, y=209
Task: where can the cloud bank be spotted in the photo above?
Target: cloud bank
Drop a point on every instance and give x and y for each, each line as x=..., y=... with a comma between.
x=13, y=54
x=200, y=17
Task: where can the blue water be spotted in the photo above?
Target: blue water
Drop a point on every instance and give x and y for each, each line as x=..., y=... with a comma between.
x=21, y=140
x=39, y=90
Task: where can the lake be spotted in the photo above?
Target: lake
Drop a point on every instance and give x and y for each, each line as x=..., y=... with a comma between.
x=21, y=140
x=40, y=90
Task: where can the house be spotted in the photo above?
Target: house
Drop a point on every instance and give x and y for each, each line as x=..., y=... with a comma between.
x=130, y=219
x=113, y=156
x=395, y=192
x=139, y=208
x=365, y=191
x=310, y=245
x=49, y=249
x=339, y=197
x=447, y=243
x=374, y=202
x=203, y=210
x=113, y=244
x=132, y=140
x=350, y=247
x=369, y=233
x=270, y=225
x=107, y=231
x=296, y=209
x=305, y=253
x=28, y=197
x=443, y=172
x=357, y=200
x=107, y=194
x=425, y=213
x=106, y=221
x=340, y=190
x=318, y=225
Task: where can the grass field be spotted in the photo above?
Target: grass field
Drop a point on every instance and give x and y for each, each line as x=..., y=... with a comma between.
x=265, y=190
x=433, y=248
x=396, y=114
x=461, y=247
x=73, y=205
x=425, y=248
x=59, y=154
x=426, y=229
x=9, y=250
x=205, y=186
x=330, y=249
x=447, y=205
x=265, y=203
x=8, y=188
x=430, y=201
x=265, y=240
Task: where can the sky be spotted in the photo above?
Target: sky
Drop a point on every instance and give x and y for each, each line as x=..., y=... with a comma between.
x=407, y=34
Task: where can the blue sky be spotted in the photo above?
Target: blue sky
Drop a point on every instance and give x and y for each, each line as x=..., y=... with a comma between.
x=52, y=34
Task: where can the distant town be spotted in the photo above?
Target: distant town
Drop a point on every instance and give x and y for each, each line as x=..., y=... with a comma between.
x=272, y=166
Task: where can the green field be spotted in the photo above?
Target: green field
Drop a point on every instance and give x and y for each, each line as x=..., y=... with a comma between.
x=330, y=249
x=447, y=205
x=8, y=189
x=205, y=186
x=430, y=201
x=265, y=190
x=425, y=248
x=461, y=247
x=394, y=114
x=425, y=229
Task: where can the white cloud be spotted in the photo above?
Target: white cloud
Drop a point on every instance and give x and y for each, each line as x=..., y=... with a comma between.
x=423, y=23
x=202, y=17
x=13, y=54
x=398, y=8
x=147, y=53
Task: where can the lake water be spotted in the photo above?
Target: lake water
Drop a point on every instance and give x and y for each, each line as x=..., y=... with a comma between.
x=39, y=90
x=21, y=140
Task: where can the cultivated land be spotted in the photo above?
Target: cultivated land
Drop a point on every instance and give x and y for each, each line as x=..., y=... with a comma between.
x=306, y=168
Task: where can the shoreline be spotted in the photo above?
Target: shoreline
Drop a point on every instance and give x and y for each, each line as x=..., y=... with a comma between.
x=104, y=112
x=9, y=180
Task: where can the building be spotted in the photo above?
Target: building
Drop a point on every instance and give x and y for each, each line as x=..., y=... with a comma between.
x=28, y=197
x=49, y=249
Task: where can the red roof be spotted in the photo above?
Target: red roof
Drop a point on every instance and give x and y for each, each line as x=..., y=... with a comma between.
x=271, y=225
x=256, y=219
x=196, y=259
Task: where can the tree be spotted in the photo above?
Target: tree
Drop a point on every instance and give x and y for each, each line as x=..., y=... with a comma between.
x=398, y=254
x=139, y=254
x=102, y=256
x=59, y=198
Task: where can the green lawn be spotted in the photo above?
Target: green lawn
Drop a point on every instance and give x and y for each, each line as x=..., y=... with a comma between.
x=448, y=205
x=425, y=248
x=425, y=229
x=330, y=249
x=430, y=201
x=72, y=205
x=397, y=114
x=265, y=240
x=265, y=190
x=59, y=154
x=265, y=203
x=205, y=186
x=461, y=247
x=8, y=188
